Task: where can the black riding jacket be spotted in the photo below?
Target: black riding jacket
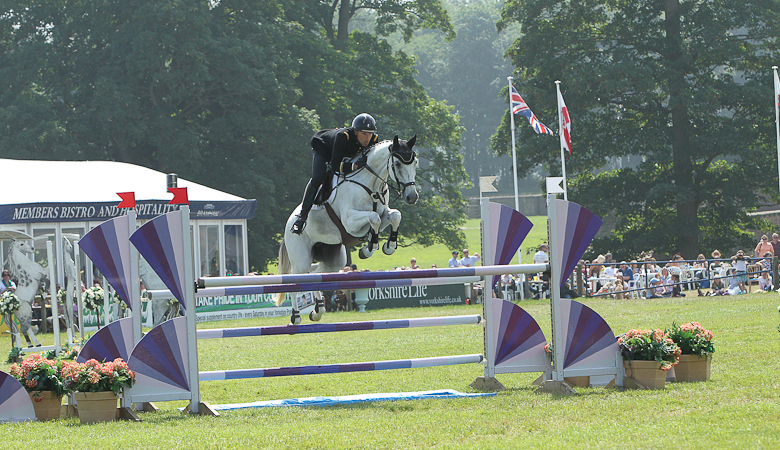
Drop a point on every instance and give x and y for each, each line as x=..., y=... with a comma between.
x=335, y=144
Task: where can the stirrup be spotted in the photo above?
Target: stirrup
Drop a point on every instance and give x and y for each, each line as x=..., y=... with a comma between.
x=297, y=227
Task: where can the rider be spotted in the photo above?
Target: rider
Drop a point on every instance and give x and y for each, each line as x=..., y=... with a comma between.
x=335, y=147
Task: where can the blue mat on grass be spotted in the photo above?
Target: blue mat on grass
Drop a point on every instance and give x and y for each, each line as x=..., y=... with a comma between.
x=351, y=399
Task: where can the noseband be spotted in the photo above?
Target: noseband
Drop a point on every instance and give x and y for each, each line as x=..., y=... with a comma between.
x=406, y=158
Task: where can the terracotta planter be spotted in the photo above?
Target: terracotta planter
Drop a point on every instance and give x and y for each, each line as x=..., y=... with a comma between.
x=96, y=406
x=646, y=373
x=693, y=368
x=47, y=404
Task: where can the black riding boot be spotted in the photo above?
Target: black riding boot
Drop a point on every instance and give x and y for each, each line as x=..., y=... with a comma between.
x=308, y=201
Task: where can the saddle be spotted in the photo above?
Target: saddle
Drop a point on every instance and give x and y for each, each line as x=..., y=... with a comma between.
x=326, y=189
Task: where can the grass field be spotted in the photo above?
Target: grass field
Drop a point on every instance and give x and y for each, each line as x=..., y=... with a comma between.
x=738, y=408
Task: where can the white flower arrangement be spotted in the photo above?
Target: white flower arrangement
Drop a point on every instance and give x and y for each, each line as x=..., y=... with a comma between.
x=93, y=298
x=9, y=302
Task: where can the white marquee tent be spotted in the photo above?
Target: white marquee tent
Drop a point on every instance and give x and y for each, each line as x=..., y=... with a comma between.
x=53, y=200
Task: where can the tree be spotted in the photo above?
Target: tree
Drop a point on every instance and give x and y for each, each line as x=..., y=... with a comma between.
x=347, y=74
x=469, y=72
x=684, y=85
x=178, y=86
x=225, y=93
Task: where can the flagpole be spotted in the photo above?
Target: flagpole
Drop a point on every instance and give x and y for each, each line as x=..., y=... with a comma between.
x=777, y=118
x=514, y=159
x=560, y=132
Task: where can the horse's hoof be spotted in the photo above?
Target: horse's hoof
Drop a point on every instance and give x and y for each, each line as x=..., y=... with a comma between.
x=38, y=345
x=362, y=253
x=314, y=317
x=319, y=308
x=295, y=319
x=386, y=249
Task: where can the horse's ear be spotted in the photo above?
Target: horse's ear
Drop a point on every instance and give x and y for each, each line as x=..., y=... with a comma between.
x=410, y=142
x=395, y=143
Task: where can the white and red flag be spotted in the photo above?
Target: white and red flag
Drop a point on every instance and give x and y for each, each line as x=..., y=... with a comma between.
x=565, y=123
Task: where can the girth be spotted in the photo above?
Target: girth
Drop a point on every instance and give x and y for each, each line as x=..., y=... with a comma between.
x=347, y=239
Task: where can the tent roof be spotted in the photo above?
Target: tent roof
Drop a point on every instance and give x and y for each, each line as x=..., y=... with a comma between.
x=91, y=181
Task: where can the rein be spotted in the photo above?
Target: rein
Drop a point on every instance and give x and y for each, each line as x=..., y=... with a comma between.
x=378, y=196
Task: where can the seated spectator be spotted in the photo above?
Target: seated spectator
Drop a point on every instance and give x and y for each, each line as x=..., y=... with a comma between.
x=540, y=289
x=568, y=292
x=717, y=284
x=767, y=262
x=656, y=288
x=651, y=266
x=735, y=285
x=715, y=264
x=764, y=282
x=508, y=282
x=666, y=282
x=413, y=264
x=626, y=272
x=676, y=291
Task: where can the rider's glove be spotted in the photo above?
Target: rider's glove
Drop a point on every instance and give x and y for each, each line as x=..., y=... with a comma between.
x=361, y=161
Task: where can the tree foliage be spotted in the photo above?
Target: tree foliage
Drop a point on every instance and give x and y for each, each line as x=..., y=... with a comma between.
x=685, y=85
x=225, y=93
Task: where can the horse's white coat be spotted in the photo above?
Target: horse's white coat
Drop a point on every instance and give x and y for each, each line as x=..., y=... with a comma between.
x=355, y=208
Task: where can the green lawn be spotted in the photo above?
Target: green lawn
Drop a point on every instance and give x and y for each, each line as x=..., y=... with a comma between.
x=738, y=408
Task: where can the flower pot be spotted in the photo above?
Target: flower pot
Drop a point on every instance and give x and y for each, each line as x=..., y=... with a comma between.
x=47, y=404
x=646, y=373
x=693, y=368
x=96, y=406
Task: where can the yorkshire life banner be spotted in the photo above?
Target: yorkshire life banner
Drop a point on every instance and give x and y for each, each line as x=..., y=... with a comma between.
x=415, y=296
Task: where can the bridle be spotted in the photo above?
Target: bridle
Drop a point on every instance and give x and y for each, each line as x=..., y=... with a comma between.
x=378, y=196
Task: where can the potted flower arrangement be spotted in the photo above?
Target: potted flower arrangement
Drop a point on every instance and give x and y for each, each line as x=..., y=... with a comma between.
x=42, y=377
x=97, y=386
x=9, y=304
x=697, y=348
x=647, y=355
x=93, y=298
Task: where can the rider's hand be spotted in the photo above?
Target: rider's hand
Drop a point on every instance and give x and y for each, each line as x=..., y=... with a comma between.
x=361, y=161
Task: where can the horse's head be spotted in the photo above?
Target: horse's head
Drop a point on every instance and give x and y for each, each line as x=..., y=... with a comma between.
x=22, y=246
x=404, y=162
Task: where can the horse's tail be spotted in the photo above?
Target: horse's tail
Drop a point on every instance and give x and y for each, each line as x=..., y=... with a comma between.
x=284, y=267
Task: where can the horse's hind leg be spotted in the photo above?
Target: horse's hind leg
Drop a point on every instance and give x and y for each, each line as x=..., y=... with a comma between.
x=391, y=217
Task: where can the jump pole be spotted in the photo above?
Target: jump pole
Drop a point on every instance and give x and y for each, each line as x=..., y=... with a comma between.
x=342, y=326
x=217, y=375
x=205, y=282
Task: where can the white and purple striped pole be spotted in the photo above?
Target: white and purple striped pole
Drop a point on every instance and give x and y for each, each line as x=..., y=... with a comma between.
x=419, y=322
x=206, y=282
x=218, y=375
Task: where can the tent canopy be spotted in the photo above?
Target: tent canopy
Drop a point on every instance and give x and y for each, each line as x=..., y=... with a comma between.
x=63, y=191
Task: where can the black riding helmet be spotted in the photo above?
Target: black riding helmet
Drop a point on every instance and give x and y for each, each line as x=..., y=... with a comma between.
x=364, y=122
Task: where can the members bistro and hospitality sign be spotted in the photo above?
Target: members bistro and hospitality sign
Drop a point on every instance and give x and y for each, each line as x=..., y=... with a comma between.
x=146, y=209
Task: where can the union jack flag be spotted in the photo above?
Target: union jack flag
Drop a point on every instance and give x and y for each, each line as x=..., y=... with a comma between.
x=520, y=107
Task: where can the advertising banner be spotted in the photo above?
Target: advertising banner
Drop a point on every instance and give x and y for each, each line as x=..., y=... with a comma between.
x=415, y=296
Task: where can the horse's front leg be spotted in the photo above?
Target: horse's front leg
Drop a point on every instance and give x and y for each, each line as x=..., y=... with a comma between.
x=356, y=223
x=391, y=217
